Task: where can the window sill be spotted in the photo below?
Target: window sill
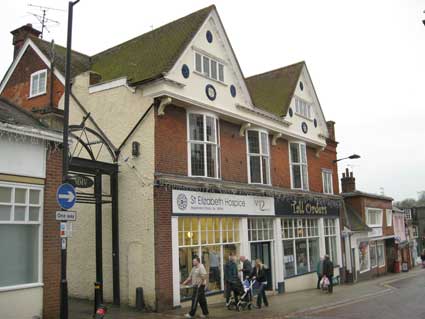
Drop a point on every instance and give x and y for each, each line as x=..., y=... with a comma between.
x=208, y=78
x=36, y=95
x=20, y=287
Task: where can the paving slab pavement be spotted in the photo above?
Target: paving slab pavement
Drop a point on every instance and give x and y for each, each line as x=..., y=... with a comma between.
x=289, y=305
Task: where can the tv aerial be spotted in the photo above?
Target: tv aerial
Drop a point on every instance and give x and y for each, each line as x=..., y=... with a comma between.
x=42, y=18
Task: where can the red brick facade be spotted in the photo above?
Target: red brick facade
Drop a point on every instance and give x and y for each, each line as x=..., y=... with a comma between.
x=51, y=240
x=171, y=158
x=17, y=89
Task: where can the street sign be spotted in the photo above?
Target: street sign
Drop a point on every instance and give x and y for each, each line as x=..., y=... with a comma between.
x=65, y=196
x=80, y=181
x=63, y=230
x=66, y=215
x=63, y=243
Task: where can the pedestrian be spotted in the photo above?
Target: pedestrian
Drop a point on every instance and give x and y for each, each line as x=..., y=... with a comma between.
x=198, y=279
x=328, y=271
x=423, y=258
x=246, y=267
x=259, y=275
x=231, y=279
x=319, y=271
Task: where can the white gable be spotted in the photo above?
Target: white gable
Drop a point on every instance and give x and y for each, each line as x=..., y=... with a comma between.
x=315, y=122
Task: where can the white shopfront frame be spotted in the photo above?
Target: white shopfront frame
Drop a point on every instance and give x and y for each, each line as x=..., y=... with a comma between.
x=39, y=282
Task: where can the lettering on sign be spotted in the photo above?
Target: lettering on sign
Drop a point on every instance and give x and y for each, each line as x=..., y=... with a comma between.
x=301, y=206
x=66, y=215
x=188, y=202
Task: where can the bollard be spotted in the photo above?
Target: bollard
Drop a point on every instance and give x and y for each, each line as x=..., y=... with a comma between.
x=97, y=296
x=281, y=287
x=140, y=302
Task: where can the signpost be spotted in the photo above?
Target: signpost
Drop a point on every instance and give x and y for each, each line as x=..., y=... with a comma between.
x=66, y=215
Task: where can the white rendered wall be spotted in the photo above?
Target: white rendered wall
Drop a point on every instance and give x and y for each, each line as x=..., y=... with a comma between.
x=22, y=303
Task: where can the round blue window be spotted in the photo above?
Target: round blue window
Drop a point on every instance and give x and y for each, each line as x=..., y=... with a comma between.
x=291, y=112
x=209, y=36
x=185, y=71
x=232, y=90
x=315, y=123
x=304, y=127
x=210, y=91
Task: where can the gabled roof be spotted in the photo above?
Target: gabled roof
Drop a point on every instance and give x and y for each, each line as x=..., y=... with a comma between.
x=273, y=90
x=152, y=54
x=354, y=221
x=79, y=62
x=357, y=193
x=13, y=114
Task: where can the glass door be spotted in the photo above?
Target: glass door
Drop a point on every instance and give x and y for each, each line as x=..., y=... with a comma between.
x=262, y=251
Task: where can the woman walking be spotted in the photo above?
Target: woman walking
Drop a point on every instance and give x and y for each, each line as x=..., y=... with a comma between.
x=259, y=275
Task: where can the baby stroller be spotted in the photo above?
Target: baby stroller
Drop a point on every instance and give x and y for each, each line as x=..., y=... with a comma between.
x=245, y=301
x=324, y=283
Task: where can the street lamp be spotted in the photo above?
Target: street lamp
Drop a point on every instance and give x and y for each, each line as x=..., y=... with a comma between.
x=354, y=156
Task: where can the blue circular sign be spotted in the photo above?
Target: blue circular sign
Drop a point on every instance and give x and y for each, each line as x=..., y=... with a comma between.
x=185, y=71
x=209, y=36
x=210, y=91
x=66, y=196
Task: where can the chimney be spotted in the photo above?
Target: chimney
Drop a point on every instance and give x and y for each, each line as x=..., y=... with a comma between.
x=331, y=129
x=348, y=182
x=20, y=35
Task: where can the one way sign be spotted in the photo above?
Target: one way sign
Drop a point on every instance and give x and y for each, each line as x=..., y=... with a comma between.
x=65, y=196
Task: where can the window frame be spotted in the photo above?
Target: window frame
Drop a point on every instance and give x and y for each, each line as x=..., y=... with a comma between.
x=261, y=155
x=380, y=244
x=40, y=223
x=380, y=224
x=368, y=259
x=37, y=74
x=204, y=142
x=219, y=67
x=390, y=219
x=307, y=106
x=325, y=172
x=299, y=143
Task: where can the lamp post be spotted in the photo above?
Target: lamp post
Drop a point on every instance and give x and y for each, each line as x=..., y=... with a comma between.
x=354, y=156
x=65, y=158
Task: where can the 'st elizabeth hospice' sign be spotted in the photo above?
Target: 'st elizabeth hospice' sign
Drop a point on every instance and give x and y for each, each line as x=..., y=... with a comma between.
x=188, y=202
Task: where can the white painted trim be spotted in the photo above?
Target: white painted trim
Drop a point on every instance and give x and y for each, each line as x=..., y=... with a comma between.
x=38, y=73
x=367, y=217
x=175, y=260
x=368, y=254
x=260, y=154
x=209, y=55
x=18, y=58
x=391, y=217
x=290, y=165
x=31, y=132
x=328, y=171
x=20, y=287
x=112, y=84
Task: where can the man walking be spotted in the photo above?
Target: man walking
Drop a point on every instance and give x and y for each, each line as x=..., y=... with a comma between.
x=246, y=267
x=319, y=271
x=231, y=279
x=198, y=278
x=328, y=271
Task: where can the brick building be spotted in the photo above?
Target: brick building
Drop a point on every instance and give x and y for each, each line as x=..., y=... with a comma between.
x=369, y=245
x=30, y=171
x=211, y=162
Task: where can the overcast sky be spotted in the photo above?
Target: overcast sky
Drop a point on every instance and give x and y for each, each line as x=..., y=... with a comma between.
x=366, y=59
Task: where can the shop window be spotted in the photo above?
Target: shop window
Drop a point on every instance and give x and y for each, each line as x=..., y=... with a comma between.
x=203, y=145
x=373, y=256
x=20, y=234
x=212, y=239
x=300, y=245
x=38, y=83
x=260, y=229
x=258, y=157
x=374, y=217
x=364, y=256
x=330, y=239
x=381, y=254
x=298, y=162
x=327, y=182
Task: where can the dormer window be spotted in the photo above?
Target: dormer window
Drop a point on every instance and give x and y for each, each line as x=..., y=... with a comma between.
x=38, y=83
x=209, y=67
x=302, y=107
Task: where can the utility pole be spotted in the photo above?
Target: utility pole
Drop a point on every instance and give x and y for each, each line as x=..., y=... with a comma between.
x=65, y=156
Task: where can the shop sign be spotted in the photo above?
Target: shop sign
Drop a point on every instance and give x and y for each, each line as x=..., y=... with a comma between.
x=188, y=202
x=304, y=207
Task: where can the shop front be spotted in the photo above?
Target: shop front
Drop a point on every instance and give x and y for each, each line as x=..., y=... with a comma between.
x=212, y=226
x=310, y=229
